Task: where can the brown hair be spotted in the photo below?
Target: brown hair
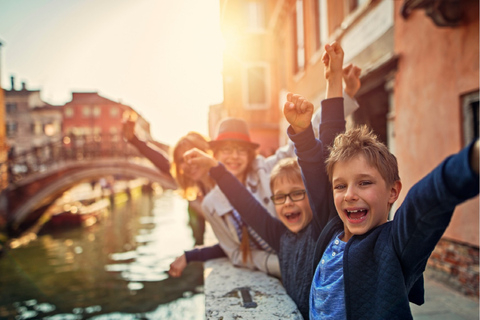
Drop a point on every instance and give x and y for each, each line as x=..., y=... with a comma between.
x=189, y=188
x=287, y=168
x=362, y=141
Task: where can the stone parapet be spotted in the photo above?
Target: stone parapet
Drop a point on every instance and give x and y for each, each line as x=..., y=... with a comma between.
x=239, y=293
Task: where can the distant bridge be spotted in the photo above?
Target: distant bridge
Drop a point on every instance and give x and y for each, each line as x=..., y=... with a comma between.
x=37, y=177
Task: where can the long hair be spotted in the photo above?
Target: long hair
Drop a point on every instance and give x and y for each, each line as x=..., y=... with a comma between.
x=189, y=189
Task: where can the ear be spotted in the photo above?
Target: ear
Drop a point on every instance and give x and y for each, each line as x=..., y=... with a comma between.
x=395, y=192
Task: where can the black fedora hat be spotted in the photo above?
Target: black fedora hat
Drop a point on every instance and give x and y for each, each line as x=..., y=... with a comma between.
x=233, y=129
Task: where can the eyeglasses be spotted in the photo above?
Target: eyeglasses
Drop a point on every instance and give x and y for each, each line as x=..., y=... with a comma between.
x=228, y=150
x=296, y=195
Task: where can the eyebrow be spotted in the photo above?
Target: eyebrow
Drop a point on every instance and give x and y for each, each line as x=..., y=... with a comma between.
x=359, y=176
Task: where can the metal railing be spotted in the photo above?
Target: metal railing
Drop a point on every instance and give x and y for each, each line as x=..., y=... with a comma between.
x=70, y=148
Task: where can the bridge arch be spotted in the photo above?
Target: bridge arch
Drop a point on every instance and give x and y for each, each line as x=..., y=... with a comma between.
x=27, y=200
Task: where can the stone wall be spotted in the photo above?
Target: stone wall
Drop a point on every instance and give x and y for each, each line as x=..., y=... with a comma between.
x=239, y=293
x=456, y=264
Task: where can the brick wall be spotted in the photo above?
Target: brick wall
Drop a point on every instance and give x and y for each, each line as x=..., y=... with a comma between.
x=456, y=264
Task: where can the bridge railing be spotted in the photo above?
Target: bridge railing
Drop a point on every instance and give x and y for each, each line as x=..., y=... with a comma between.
x=69, y=148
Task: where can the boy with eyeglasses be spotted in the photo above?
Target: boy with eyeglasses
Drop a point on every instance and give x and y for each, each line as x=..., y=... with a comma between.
x=294, y=234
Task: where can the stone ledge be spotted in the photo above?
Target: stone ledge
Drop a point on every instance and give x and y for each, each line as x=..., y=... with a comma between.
x=239, y=293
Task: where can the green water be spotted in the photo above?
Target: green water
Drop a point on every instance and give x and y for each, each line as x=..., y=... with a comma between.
x=115, y=269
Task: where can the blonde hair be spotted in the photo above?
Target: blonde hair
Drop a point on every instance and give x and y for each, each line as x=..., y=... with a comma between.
x=189, y=189
x=362, y=141
x=287, y=168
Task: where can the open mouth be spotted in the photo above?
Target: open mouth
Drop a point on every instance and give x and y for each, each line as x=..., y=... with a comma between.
x=356, y=216
x=292, y=217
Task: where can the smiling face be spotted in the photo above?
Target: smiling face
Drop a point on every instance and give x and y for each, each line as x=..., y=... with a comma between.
x=362, y=197
x=235, y=158
x=295, y=215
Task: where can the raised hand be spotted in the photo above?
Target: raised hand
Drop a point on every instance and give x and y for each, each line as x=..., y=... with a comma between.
x=333, y=60
x=351, y=77
x=198, y=157
x=298, y=111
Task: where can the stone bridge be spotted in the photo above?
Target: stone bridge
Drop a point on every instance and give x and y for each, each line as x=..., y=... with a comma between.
x=37, y=177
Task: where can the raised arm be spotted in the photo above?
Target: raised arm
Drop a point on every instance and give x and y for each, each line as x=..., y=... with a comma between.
x=428, y=207
x=252, y=212
x=157, y=156
x=310, y=151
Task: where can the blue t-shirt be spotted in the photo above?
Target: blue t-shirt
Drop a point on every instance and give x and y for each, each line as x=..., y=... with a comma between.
x=327, y=293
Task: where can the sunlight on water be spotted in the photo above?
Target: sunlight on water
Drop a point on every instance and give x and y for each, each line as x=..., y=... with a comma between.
x=115, y=269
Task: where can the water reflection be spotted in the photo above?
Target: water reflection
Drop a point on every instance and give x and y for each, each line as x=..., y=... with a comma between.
x=114, y=269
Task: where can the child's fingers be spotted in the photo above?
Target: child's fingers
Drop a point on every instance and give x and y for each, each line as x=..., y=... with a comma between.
x=337, y=48
x=325, y=58
x=305, y=106
x=295, y=98
x=289, y=96
x=189, y=155
x=347, y=69
x=357, y=71
x=289, y=106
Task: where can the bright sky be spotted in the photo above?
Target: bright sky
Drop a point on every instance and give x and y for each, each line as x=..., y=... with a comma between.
x=161, y=57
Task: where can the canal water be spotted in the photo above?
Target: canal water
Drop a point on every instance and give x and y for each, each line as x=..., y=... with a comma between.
x=114, y=269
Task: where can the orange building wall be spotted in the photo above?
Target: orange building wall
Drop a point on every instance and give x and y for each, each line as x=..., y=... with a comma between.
x=243, y=47
x=436, y=66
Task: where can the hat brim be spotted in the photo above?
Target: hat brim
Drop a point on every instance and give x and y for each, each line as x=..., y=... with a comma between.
x=216, y=143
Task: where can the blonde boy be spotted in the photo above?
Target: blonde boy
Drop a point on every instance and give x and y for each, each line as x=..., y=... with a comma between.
x=368, y=267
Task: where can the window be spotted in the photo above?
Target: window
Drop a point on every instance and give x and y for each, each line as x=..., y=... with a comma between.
x=317, y=30
x=96, y=111
x=11, y=129
x=49, y=129
x=114, y=134
x=86, y=111
x=470, y=117
x=299, y=52
x=256, y=83
x=114, y=112
x=68, y=112
x=11, y=107
x=323, y=17
x=36, y=128
x=256, y=16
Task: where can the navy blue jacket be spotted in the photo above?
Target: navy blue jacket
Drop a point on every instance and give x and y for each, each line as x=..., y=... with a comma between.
x=383, y=269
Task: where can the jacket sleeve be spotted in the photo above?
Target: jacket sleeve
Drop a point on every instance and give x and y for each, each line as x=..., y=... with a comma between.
x=205, y=253
x=425, y=213
x=311, y=154
x=253, y=213
x=350, y=106
x=156, y=155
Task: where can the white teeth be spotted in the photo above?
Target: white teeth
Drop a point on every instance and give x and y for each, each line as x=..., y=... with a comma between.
x=289, y=214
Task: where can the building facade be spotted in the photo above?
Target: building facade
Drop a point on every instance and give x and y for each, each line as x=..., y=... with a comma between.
x=419, y=93
x=29, y=121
